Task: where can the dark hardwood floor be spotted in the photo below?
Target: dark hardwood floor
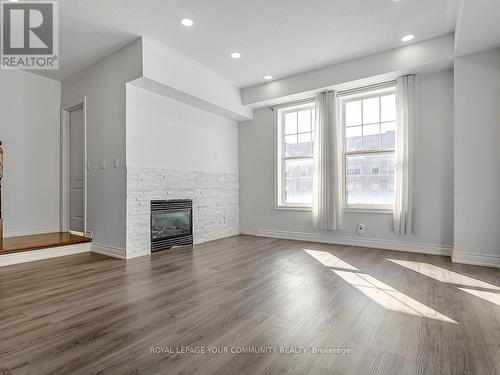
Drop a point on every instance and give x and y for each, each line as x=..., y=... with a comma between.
x=374, y=311
x=40, y=241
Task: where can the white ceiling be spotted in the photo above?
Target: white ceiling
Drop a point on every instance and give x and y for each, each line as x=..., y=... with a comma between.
x=278, y=37
x=478, y=27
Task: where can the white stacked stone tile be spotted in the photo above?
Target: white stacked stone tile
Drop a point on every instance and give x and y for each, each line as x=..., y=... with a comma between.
x=215, y=203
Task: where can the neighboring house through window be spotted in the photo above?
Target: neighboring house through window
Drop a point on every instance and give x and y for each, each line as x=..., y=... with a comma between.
x=295, y=155
x=369, y=124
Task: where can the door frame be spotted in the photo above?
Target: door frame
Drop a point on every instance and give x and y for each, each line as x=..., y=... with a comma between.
x=65, y=183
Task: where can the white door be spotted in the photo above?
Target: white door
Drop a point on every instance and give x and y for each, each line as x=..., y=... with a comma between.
x=76, y=171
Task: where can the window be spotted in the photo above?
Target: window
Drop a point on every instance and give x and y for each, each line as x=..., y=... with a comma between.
x=295, y=155
x=369, y=123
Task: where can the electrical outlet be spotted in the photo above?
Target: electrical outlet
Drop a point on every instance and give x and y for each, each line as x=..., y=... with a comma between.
x=360, y=229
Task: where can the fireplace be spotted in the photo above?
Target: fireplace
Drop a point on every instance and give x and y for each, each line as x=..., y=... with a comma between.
x=171, y=224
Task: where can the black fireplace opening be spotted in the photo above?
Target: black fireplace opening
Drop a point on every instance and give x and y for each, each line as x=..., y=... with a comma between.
x=171, y=223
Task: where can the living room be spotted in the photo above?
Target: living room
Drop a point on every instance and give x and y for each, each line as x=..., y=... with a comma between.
x=250, y=187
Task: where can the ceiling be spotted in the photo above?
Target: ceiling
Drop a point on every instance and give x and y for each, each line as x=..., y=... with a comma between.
x=278, y=37
x=478, y=27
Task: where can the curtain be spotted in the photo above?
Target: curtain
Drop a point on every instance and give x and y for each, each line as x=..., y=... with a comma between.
x=327, y=183
x=405, y=129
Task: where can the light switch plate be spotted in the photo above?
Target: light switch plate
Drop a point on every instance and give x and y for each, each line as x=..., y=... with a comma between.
x=115, y=163
x=102, y=164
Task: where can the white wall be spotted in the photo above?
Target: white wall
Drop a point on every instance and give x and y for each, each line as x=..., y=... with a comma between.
x=477, y=153
x=29, y=130
x=104, y=86
x=177, y=151
x=164, y=133
x=433, y=190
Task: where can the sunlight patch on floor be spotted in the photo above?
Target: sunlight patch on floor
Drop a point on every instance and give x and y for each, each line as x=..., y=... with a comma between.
x=329, y=260
x=488, y=296
x=443, y=275
x=388, y=297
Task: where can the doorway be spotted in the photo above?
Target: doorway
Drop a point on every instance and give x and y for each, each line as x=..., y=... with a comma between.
x=74, y=170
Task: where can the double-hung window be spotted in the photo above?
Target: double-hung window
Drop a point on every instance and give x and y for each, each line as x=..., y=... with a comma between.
x=369, y=126
x=295, y=126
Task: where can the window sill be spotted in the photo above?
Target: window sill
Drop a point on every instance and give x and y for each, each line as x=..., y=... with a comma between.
x=381, y=211
x=292, y=208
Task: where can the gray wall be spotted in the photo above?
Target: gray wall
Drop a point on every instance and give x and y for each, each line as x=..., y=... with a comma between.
x=477, y=153
x=29, y=130
x=104, y=85
x=433, y=187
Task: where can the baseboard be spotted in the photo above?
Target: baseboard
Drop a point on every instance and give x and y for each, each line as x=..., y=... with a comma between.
x=30, y=232
x=476, y=259
x=109, y=251
x=53, y=252
x=412, y=247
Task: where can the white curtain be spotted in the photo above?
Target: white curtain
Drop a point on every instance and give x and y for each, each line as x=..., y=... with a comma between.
x=327, y=185
x=405, y=130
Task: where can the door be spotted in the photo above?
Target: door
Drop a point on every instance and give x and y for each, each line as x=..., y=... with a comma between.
x=76, y=171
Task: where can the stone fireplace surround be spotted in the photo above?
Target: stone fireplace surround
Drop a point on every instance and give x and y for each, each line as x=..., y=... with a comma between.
x=215, y=203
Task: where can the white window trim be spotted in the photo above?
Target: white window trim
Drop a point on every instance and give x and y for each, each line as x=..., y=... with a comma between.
x=361, y=208
x=279, y=140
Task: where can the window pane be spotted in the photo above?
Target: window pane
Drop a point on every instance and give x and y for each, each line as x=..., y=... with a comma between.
x=291, y=123
x=367, y=187
x=371, y=137
x=298, y=181
x=305, y=145
x=291, y=145
x=388, y=106
x=353, y=138
x=371, y=110
x=304, y=137
x=353, y=113
x=388, y=135
x=305, y=121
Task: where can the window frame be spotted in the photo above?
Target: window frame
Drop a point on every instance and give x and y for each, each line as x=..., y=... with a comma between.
x=367, y=93
x=280, y=156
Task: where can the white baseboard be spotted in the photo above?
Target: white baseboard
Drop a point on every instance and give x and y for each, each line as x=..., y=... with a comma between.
x=30, y=232
x=412, y=247
x=53, y=252
x=476, y=259
x=109, y=251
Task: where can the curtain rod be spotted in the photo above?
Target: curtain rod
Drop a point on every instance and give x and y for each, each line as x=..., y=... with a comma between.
x=355, y=90
x=375, y=86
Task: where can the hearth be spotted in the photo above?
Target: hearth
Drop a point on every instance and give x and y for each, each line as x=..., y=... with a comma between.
x=171, y=223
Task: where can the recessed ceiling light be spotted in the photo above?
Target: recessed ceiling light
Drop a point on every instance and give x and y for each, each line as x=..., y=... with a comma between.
x=13, y=1
x=188, y=22
x=235, y=55
x=407, y=38
x=268, y=77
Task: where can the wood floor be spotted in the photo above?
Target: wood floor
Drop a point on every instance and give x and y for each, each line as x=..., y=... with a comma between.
x=12, y=245
x=372, y=311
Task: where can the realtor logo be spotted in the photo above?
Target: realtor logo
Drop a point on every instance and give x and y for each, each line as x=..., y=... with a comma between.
x=29, y=35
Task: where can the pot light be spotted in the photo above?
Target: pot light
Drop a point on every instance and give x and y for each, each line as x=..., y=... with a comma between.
x=13, y=1
x=188, y=22
x=407, y=38
x=235, y=55
x=268, y=77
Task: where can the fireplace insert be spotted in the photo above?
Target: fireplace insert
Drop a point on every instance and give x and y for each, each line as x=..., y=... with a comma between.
x=171, y=223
